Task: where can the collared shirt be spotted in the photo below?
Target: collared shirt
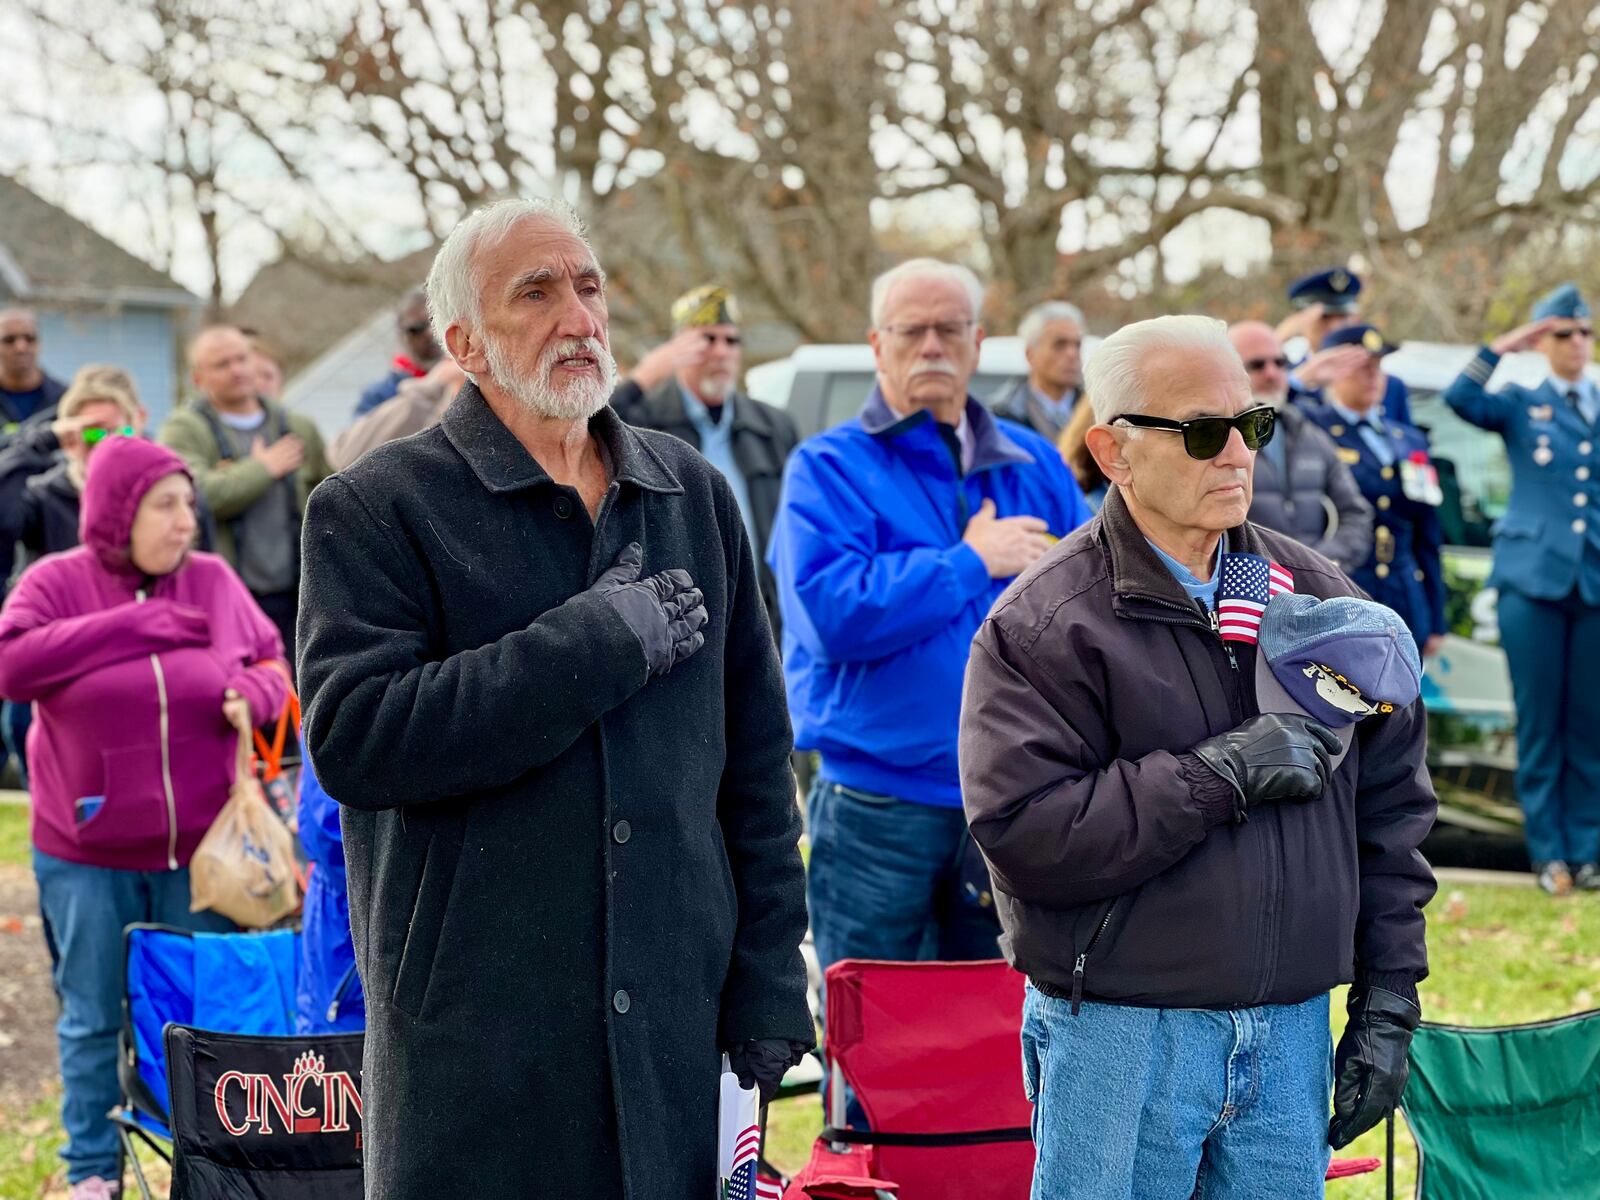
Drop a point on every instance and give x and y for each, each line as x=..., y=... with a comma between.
x=1588, y=396
x=1370, y=426
x=1058, y=410
x=1203, y=590
x=716, y=444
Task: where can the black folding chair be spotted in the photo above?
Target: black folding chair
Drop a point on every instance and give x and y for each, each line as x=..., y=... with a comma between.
x=264, y=1118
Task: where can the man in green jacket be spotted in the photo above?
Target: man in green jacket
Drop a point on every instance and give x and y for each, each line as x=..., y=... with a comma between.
x=255, y=462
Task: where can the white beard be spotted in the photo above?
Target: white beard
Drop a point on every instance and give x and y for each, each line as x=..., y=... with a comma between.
x=536, y=391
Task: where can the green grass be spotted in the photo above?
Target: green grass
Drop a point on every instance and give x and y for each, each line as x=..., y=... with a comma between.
x=14, y=845
x=29, y=1142
x=1500, y=955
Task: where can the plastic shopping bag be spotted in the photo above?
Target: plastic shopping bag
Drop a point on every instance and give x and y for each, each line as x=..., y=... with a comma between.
x=244, y=866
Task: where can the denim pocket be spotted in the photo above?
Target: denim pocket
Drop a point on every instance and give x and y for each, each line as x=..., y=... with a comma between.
x=873, y=798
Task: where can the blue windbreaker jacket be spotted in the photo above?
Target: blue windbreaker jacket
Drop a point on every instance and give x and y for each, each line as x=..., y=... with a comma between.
x=881, y=597
x=328, y=997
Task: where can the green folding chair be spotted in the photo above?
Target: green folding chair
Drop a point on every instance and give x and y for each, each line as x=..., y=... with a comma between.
x=1509, y=1112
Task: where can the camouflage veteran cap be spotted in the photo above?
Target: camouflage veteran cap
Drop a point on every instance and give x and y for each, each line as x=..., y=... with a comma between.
x=712, y=304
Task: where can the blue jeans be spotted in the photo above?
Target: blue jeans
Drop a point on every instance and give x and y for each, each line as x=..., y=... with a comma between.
x=1172, y=1104
x=15, y=717
x=884, y=880
x=87, y=908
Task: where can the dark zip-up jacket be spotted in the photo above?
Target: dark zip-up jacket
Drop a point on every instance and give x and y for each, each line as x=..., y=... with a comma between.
x=1119, y=872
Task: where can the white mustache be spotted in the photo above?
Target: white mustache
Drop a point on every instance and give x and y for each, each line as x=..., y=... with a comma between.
x=939, y=367
x=574, y=346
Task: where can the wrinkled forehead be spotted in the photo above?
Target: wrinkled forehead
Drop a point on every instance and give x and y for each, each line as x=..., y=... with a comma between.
x=534, y=251
x=1184, y=384
x=923, y=299
x=1255, y=343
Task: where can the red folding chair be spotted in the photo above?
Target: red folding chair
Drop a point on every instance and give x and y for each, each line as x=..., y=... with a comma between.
x=933, y=1054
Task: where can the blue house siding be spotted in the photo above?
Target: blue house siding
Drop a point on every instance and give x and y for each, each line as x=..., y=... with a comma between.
x=142, y=341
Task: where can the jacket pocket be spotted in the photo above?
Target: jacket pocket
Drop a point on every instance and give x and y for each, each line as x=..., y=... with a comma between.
x=1518, y=525
x=133, y=811
x=427, y=921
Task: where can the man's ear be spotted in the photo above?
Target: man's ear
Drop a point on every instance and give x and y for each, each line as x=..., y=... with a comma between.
x=1108, y=451
x=466, y=347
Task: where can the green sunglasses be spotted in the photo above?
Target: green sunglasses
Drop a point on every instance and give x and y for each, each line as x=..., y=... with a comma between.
x=94, y=435
x=1204, y=437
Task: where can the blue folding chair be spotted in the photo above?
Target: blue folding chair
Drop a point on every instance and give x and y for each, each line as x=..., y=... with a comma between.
x=224, y=982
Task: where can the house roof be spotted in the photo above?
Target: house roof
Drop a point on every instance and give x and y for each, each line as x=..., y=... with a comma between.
x=48, y=254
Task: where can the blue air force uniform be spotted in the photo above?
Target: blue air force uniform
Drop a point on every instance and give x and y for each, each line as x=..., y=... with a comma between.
x=1391, y=465
x=1547, y=570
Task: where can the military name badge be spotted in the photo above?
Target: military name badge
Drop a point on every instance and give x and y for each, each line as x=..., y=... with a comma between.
x=1419, y=479
x=1348, y=456
x=1541, y=412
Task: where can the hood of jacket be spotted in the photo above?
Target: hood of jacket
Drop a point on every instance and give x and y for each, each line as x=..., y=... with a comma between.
x=121, y=471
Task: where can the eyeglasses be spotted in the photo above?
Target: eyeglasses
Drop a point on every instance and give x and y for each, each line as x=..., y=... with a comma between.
x=1204, y=437
x=731, y=340
x=94, y=435
x=1259, y=364
x=27, y=339
x=415, y=327
x=1576, y=331
x=948, y=332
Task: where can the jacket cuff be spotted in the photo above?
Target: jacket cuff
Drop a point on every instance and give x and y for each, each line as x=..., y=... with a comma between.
x=1401, y=983
x=1216, y=798
x=970, y=571
x=1482, y=366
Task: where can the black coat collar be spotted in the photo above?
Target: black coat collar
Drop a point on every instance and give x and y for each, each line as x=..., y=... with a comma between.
x=502, y=464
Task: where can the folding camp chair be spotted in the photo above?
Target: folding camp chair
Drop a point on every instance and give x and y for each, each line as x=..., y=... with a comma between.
x=264, y=1118
x=233, y=982
x=932, y=1052
x=1509, y=1112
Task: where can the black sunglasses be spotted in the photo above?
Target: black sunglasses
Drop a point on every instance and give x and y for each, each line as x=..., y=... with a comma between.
x=415, y=327
x=1574, y=331
x=1204, y=437
x=727, y=339
x=1256, y=364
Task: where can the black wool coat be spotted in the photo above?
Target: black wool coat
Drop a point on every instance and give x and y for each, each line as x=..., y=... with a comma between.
x=571, y=885
x=763, y=438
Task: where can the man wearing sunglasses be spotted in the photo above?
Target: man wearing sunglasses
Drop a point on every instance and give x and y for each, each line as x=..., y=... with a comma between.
x=25, y=390
x=1301, y=487
x=418, y=352
x=1547, y=570
x=689, y=387
x=1184, y=869
x=1392, y=466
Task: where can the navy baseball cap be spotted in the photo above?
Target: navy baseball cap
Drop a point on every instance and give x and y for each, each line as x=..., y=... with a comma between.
x=1368, y=337
x=1566, y=301
x=1335, y=289
x=1339, y=660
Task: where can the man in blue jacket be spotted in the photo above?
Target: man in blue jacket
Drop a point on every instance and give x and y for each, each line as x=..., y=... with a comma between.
x=896, y=533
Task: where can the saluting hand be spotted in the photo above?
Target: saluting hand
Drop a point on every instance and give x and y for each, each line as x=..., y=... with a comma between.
x=1329, y=366
x=1524, y=337
x=1007, y=545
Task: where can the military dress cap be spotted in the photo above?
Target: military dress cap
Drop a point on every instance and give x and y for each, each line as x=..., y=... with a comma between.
x=712, y=304
x=1336, y=660
x=1368, y=337
x=1566, y=301
x=1336, y=289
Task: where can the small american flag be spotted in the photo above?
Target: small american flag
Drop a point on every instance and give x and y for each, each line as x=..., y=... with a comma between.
x=742, y=1183
x=1248, y=582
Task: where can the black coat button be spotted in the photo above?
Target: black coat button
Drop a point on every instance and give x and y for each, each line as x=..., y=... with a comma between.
x=620, y=1001
x=621, y=832
x=563, y=507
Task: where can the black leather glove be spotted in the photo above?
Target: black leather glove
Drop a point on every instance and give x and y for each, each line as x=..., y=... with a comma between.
x=666, y=612
x=763, y=1062
x=1369, y=1067
x=1271, y=758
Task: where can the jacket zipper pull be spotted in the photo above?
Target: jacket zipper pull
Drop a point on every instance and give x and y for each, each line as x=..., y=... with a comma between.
x=1077, y=983
x=1216, y=628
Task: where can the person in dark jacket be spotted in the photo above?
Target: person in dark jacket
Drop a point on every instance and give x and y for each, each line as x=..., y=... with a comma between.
x=419, y=351
x=26, y=390
x=539, y=679
x=1301, y=487
x=1394, y=470
x=1052, y=336
x=1182, y=871
x=689, y=388
x=897, y=532
x=1547, y=572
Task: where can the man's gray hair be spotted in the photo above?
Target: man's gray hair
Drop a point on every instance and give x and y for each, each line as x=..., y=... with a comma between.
x=925, y=268
x=1114, y=377
x=1040, y=315
x=452, y=288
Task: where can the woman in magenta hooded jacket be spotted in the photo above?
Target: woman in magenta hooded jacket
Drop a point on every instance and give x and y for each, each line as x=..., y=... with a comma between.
x=143, y=658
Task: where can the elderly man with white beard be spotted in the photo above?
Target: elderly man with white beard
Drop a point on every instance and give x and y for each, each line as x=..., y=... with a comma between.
x=539, y=679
